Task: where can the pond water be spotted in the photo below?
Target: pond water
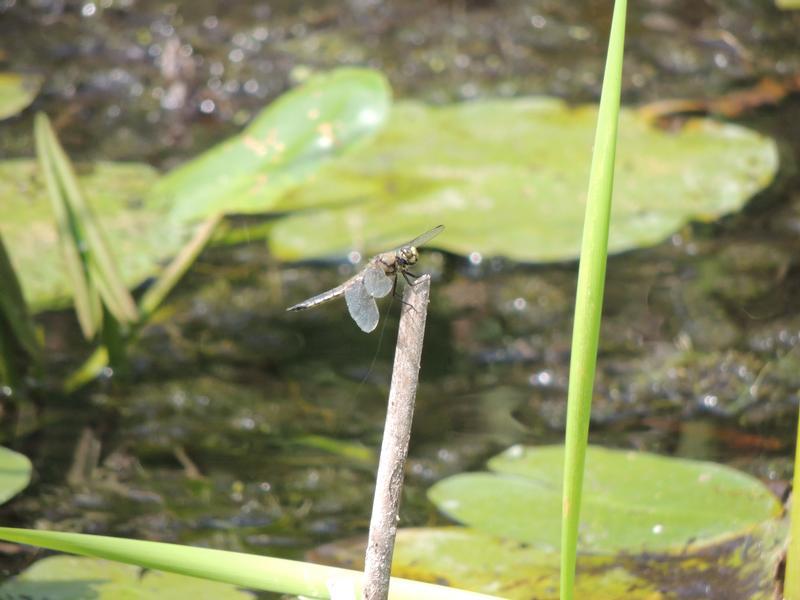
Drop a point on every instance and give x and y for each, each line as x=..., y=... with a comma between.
x=245, y=427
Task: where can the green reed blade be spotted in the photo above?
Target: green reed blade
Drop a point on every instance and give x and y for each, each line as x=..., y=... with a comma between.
x=13, y=307
x=589, y=300
x=102, y=266
x=87, y=302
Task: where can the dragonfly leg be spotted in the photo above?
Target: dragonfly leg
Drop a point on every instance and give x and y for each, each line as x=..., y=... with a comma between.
x=410, y=277
x=399, y=296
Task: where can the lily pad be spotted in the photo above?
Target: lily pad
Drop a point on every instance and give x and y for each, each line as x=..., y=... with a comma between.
x=15, y=473
x=508, y=178
x=476, y=561
x=139, y=235
x=280, y=148
x=632, y=501
x=74, y=578
x=16, y=92
x=469, y=559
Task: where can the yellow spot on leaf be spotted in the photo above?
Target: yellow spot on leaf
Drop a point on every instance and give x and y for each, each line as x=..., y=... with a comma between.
x=254, y=145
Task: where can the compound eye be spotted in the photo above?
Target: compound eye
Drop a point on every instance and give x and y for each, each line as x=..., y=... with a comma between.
x=411, y=255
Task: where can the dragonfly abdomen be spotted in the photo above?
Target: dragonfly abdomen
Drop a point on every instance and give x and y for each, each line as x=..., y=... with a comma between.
x=320, y=298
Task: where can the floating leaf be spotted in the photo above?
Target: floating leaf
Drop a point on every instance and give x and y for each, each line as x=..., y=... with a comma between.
x=15, y=473
x=474, y=560
x=510, y=549
x=73, y=578
x=282, y=146
x=632, y=501
x=16, y=92
x=509, y=178
x=140, y=236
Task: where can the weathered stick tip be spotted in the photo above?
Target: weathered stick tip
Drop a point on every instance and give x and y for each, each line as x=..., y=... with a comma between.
x=396, y=436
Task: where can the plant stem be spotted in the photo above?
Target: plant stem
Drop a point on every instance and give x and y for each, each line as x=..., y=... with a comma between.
x=177, y=268
x=589, y=300
x=396, y=435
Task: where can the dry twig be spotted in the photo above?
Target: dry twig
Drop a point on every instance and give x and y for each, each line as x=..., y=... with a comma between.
x=396, y=435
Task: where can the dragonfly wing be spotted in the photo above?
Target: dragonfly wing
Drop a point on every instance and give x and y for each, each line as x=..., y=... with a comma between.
x=362, y=306
x=426, y=237
x=376, y=282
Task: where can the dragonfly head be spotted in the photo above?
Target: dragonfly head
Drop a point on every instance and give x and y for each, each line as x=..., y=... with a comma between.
x=408, y=255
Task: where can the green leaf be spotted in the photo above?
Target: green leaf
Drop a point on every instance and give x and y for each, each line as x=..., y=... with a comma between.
x=632, y=501
x=280, y=148
x=474, y=560
x=508, y=178
x=140, y=236
x=93, y=269
x=72, y=578
x=16, y=92
x=246, y=570
x=15, y=473
x=87, y=299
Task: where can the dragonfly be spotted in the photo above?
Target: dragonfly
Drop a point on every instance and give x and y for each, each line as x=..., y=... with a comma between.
x=376, y=280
